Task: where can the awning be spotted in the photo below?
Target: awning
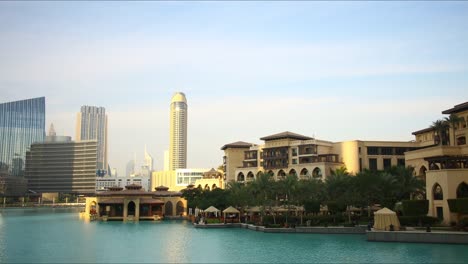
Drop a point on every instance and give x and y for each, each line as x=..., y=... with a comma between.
x=231, y=210
x=111, y=201
x=150, y=201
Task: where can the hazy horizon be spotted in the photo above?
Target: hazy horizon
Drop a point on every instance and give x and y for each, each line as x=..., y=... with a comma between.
x=336, y=70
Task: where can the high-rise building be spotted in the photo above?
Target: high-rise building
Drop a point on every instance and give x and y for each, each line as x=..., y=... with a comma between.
x=91, y=124
x=62, y=166
x=148, y=160
x=178, y=132
x=21, y=124
x=166, y=160
x=130, y=169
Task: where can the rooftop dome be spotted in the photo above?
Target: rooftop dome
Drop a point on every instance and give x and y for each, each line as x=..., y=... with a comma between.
x=179, y=97
x=133, y=187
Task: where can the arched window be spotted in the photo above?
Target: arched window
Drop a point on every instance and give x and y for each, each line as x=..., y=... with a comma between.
x=422, y=173
x=462, y=190
x=461, y=140
x=292, y=172
x=271, y=173
x=214, y=186
x=259, y=173
x=317, y=173
x=437, y=192
x=131, y=208
x=168, y=208
x=304, y=172
x=281, y=174
x=207, y=187
x=250, y=176
x=180, y=209
x=240, y=177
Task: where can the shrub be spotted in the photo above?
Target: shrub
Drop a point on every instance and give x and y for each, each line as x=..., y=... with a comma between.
x=459, y=205
x=213, y=221
x=415, y=207
x=417, y=220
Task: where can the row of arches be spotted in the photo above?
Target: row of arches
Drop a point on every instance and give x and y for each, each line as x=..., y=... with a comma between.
x=207, y=187
x=168, y=208
x=438, y=194
x=304, y=173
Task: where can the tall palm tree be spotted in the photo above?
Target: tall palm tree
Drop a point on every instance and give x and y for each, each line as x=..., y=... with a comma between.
x=440, y=126
x=452, y=121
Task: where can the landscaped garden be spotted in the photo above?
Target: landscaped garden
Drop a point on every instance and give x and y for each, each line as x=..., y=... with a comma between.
x=342, y=199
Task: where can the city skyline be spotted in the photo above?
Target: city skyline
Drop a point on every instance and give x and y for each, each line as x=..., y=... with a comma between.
x=337, y=71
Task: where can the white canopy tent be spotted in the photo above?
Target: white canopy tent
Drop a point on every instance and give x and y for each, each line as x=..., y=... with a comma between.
x=385, y=217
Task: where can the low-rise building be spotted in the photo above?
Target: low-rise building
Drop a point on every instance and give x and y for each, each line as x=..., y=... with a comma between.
x=176, y=180
x=104, y=183
x=134, y=204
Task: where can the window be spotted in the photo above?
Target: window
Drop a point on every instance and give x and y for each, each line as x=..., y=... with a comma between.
x=387, y=163
x=387, y=151
x=360, y=164
x=373, y=164
x=461, y=141
x=294, y=161
x=401, y=162
x=372, y=151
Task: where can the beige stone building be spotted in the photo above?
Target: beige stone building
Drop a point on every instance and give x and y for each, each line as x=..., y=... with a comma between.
x=443, y=163
x=134, y=204
x=290, y=153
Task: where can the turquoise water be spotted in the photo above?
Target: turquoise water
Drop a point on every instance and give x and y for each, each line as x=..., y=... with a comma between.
x=58, y=235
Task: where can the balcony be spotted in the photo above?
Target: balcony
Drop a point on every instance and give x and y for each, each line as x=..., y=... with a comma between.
x=307, y=150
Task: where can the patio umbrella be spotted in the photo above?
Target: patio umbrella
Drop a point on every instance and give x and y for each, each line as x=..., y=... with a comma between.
x=385, y=217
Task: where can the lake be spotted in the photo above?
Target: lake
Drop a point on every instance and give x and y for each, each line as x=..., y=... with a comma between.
x=46, y=235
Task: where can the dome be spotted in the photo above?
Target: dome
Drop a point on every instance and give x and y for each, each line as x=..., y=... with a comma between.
x=179, y=97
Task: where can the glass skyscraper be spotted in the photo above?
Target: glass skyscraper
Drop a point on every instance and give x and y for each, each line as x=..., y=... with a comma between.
x=21, y=124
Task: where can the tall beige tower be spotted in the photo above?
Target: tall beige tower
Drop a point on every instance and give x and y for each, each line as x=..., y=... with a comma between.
x=178, y=133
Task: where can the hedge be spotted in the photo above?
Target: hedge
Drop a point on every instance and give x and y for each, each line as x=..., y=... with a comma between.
x=415, y=207
x=416, y=220
x=459, y=205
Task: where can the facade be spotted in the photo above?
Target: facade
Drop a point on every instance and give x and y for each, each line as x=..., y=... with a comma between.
x=443, y=163
x=134, y=204
x=21, y=124
x=212, y=179
x=104, y=183
x=60, y=165
x=290, y=153
x=91, y=124
x=178, y=132
x=176, y=180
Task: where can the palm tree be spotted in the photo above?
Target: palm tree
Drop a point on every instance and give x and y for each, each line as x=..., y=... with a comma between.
x=262, y=191
x=407, y=183
x=440, y=126
x=452, y=121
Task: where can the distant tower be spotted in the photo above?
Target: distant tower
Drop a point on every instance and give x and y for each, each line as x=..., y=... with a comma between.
x=91, y=123
x=178, y=132
x=130, y=169
x=148, y=160
x=52, y=131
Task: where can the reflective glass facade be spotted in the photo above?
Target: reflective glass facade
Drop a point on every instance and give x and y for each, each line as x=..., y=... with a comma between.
x=21, y=124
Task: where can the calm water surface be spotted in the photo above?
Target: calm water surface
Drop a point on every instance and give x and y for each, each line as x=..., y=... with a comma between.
x=58, y=235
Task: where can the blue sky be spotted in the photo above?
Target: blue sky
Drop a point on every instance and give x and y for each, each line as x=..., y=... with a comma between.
x=339, y=70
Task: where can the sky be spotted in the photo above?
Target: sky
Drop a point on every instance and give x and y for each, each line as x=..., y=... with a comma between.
x=334, y=70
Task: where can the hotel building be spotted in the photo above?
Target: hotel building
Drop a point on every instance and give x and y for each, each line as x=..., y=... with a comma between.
x=290, y=153
x=178, y=132
x=443, y=163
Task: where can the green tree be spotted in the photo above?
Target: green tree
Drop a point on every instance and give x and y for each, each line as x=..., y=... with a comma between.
x=452, y=122
x=440, y=127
